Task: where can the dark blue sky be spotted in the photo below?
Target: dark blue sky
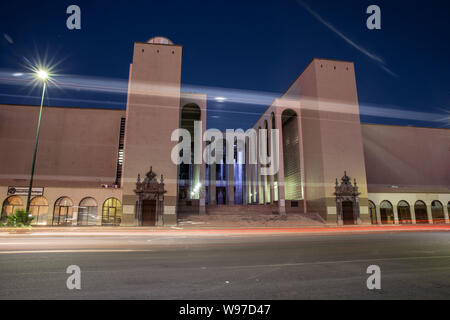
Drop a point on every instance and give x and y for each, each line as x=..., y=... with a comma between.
x=249, y=45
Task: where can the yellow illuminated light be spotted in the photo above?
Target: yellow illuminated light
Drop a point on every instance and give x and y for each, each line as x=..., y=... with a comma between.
x=42, y=74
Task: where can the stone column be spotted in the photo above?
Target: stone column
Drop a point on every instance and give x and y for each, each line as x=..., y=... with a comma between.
x=394, y=207
x=247, y=176
x=271, y=177
x=377, y=210
x=281, y=196
x=258, y=178
x=302, y=158
x=430, y=215
x=230, y=184
x=74, y=219
x=202, y=192
x=212, y=184
x=413, y=214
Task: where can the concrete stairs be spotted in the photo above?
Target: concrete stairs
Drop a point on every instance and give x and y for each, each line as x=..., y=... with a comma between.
x=248, y=216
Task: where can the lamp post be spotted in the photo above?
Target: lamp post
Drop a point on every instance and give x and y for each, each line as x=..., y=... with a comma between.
x=43, y=76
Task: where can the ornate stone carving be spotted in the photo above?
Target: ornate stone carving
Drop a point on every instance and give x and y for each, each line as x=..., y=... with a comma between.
x=344, y=192
x=149, y=189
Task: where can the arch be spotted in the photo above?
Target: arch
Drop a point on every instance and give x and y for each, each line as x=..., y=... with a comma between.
x=291, y=155
x=112, y=212
x=87, y=212
x=386, y=212
x=404, y=212
x=348, y=216
x=437, y=211
x=39, y=210
x=63, y=212
x=189, y=173
x=420, y=209
x=272, y=117
x=373, y=212
x=10, y=206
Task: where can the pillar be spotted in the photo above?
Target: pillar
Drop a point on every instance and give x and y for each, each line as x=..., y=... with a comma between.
x=212, y=184
x=247, y=176
x=413, y=214
x=280, y=184
x=230, y=184
x=377, y=210
x=429, y=214
x=394, y=207
x=202, y=206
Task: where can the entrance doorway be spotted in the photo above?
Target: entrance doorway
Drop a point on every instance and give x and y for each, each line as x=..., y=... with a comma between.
x=149, y=213
x=221, y=195
x=347, y=213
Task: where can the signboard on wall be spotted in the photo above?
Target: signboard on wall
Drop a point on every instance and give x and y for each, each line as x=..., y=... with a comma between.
x=23, y=191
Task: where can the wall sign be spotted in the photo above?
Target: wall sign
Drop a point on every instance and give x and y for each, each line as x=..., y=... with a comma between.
x=23, y=191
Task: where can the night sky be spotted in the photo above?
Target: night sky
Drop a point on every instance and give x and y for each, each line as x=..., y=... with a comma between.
x=259, y=47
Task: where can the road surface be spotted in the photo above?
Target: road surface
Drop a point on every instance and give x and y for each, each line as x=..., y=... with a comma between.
x=414, y=265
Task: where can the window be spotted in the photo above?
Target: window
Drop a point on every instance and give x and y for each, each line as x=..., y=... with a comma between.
x=87, y=212
x=404, y=213
x=112, y=212
x=63, y=211
x=420, y=209
x=386, y=212
x=120, y=152
x=437, y=211
x=39, y=210
x=10, y=206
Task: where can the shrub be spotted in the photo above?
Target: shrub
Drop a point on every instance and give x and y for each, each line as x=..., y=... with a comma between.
x=20, y=219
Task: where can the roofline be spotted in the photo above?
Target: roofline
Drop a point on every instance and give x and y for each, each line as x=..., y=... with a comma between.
x=159, y=44
x=292, y=83
x=401, y=125
x=61, y=107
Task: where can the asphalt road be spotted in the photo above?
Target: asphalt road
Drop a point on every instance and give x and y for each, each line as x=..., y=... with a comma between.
x=414, y=265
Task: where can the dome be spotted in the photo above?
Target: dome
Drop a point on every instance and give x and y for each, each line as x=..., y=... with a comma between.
x=159, y=40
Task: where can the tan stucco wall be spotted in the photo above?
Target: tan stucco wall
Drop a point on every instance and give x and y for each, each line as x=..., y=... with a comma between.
x=332, y=141
x=77, y=147
x=75, y=194
x=152, y=115
x=409, y=158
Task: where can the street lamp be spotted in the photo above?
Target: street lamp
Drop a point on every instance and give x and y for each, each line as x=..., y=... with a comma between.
x=43, y=76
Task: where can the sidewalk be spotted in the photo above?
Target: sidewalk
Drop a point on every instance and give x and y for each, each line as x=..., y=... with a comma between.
x=196, y=230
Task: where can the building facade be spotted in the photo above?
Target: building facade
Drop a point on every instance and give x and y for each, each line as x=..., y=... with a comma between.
x=116, y=168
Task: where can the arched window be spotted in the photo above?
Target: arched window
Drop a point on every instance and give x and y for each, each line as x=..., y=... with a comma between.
x=420, y=209
x=87, y=212
x=291, y=155
x=386, y=212
x=190, y=172
x=373, y=212
x=39, y=210
x=404, y=212
x=10, y=206
x=437, y=210
x=63, y=212
x=112, y=212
